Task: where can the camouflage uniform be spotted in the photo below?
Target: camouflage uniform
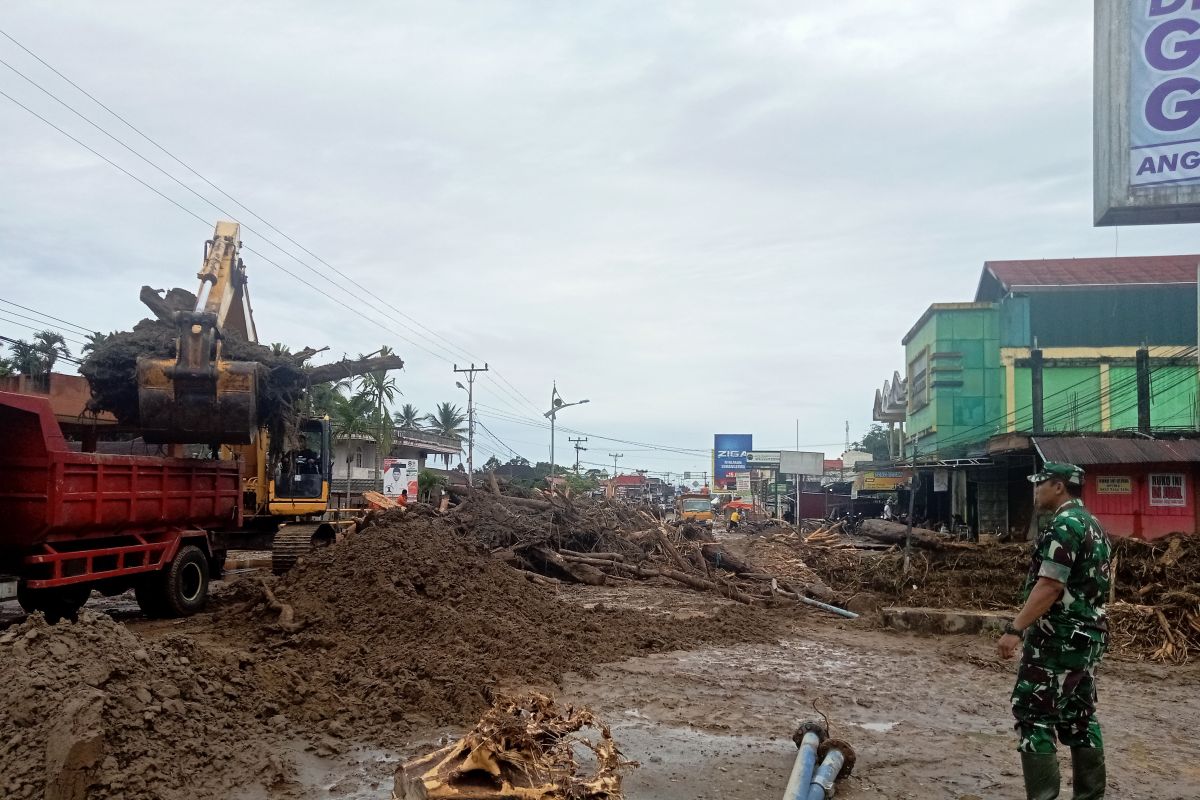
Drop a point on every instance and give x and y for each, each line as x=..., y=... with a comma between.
x=1056, y=681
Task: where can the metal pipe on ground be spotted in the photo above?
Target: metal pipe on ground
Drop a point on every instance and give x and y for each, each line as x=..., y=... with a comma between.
x=837, y=762
x=808, y=738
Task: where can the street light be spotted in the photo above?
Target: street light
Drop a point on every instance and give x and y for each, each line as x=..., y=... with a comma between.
x=556, y=405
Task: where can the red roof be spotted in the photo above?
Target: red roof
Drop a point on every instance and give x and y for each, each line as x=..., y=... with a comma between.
x=629, y=480
x=1054, y=272
x=833, y=464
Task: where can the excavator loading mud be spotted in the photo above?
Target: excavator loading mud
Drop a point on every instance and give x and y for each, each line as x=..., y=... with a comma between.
x=196, y=374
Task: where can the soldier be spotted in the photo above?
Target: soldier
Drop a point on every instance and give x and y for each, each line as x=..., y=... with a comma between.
x=1065, y=633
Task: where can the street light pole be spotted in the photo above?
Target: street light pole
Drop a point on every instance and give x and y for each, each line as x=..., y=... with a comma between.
x=556, y=405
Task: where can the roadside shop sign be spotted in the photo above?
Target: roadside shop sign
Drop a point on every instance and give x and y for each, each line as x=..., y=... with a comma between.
x=1114, y=484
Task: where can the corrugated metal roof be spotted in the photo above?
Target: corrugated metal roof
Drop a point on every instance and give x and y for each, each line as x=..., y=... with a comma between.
x=1051, y=272
x=1085, y=450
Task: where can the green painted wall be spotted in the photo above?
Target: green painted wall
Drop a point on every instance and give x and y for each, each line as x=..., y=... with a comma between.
x=966, y=394
x=1070, y=398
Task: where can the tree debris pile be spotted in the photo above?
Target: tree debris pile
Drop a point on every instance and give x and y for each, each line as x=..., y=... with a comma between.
x=521, y=749
x=1156, y=613
x=406, y=624
x=601, y=542
x=94, y=711
x=1158, y=586
x=283, y=378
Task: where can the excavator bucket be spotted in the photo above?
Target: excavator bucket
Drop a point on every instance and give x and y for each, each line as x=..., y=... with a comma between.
x=196, y=397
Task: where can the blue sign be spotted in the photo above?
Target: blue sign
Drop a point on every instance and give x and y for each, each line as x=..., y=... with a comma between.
x=731, y=453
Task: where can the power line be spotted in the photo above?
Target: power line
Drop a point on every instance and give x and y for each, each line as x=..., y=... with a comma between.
x=80, y=328
x=452, y=346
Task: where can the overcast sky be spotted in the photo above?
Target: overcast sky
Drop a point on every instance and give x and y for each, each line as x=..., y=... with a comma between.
x=704, y=217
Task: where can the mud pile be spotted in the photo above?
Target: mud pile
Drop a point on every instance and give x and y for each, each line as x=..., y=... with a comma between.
x=410, y=624
x=91, y=710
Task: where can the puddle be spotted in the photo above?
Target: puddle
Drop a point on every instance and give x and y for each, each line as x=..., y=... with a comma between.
x=877, y=727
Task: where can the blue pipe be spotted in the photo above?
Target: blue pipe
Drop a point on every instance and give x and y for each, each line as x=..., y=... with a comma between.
x=802, y=769
x=822, y=782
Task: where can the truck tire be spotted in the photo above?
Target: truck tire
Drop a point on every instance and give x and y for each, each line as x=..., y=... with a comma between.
x=185, y=582
x=179, y=590
x=56, y=604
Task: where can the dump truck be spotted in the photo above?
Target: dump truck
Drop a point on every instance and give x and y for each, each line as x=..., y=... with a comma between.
x=77, y=522
x=692, y=507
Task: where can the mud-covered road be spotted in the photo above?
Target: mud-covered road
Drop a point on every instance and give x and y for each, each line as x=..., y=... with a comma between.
x=928, y=715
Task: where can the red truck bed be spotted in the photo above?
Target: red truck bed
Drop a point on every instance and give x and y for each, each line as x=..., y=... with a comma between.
x=129, y=510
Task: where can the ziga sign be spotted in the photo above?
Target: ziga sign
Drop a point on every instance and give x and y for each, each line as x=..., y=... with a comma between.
x=1147, y=112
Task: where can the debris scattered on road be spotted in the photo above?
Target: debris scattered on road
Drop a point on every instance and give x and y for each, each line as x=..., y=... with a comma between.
x=522, y=748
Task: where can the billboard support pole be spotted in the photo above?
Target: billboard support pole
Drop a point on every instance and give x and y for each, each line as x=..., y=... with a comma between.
x=912, y=501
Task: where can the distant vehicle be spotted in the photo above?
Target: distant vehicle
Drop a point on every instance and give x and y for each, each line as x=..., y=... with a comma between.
x=694, y=508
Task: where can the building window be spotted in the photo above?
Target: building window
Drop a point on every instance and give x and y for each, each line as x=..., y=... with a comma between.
x=1167, y=490
x=358, y=456
x=918, y=381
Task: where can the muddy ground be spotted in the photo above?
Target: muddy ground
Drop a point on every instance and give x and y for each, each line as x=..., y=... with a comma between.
x=927, y=715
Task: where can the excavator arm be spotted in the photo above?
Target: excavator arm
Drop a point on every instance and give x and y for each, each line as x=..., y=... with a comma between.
x=199, y=396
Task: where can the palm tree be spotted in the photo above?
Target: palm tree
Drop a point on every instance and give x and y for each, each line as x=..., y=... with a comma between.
x=321, y=398
x=447, y=421
x=280, y=349
x=52, y=346
x=349, y=417
x=26, y=358
x=7, y=367
x=379, y=390
x=94, y=340
x=409, y=418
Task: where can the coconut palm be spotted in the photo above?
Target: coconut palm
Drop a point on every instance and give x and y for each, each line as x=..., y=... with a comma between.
x=94, y=340
x=26, y=358
x=280, y=349
x=52, y=347
x=7, y=367
x=447, y=421
x=409, y=417
x=349, y=417
x=379, y=390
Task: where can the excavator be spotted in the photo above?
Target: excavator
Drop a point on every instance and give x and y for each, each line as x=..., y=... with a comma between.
x=201, y=397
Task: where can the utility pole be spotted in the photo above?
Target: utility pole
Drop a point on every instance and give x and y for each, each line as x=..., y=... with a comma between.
x=614, y=457
x=578, y=448
x=470, y=387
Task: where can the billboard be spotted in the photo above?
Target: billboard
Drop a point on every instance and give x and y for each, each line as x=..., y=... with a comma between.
x=1147, y=112
x=798, y=462
x=400, y=474
x=731, y=454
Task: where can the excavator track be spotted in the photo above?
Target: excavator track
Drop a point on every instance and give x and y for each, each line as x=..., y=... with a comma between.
x=296, y=539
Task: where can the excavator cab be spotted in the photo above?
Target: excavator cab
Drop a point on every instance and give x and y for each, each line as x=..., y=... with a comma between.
x=303, y=472
x=199, y=396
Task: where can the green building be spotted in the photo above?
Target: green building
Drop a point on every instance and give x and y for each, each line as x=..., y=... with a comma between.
x=970, y=365
x=966, y=402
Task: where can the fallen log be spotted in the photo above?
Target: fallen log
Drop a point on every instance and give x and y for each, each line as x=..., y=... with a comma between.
x=895, y=533
x=582, y=573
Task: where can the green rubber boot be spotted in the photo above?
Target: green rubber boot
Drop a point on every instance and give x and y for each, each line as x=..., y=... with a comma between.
x=1088, y=775
x=1041, y=775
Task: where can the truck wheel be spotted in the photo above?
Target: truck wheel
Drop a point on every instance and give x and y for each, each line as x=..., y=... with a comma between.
x=185, y=582
x=57, y=604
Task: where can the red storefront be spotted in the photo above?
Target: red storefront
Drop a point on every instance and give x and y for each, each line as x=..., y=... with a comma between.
x=1135, y=486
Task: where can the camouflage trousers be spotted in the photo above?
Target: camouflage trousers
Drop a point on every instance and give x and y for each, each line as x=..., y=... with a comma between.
x=1056, y=693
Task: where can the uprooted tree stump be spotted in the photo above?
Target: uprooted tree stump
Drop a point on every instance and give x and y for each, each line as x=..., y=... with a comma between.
x=521, y=749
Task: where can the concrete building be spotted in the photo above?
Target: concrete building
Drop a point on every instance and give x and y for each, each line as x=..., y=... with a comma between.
x=356, y=456
x=1045, y=347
